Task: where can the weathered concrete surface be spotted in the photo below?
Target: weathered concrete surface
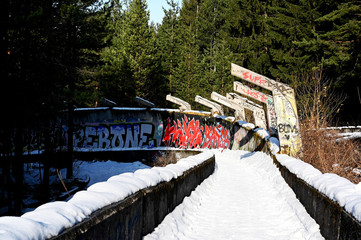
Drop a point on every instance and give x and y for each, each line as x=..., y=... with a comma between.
x=335, y=222
x=140, y=213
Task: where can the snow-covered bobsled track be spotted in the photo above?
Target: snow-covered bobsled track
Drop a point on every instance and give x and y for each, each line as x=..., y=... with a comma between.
x=245, y=198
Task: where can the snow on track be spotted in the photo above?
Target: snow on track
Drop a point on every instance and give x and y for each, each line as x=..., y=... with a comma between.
x=245, y=198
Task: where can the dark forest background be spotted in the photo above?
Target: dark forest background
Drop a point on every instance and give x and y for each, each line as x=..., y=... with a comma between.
x=57, y=54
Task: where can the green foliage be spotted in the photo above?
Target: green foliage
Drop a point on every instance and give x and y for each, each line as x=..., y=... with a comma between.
x=60, y=53
x=168, y=42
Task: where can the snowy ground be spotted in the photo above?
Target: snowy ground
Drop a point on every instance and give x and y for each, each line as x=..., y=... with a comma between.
x=246, y=198
x=99, y=171
x=92, y=171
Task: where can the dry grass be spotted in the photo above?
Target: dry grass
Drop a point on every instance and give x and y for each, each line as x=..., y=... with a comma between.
x=323, y=150
x=318, y=104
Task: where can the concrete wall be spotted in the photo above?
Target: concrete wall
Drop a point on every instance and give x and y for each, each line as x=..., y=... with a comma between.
x=119, y=129
x=335, y=222
x=247, y=139
x=140, y=213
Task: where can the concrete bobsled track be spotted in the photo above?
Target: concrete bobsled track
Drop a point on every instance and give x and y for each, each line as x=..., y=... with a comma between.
x=236, y=187
x=245, y=198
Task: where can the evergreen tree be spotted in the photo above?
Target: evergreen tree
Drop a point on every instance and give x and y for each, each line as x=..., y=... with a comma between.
x=168, y=42
x=289, y=22
x=339, y=36
x=216, y=56
x=131, y=64
x=247, y=34
x=116, y=75
x=136, y=39
x=188, y=70
x=43, y=42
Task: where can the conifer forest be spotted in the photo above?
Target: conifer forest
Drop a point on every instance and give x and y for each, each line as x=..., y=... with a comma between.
x=58, y=54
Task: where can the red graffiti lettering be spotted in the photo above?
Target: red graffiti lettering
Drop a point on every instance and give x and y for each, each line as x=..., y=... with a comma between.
x=264, y=98
x=245, y=75
x=262, y=81
x=252, y=78
x=256, y=95
x=189, y=134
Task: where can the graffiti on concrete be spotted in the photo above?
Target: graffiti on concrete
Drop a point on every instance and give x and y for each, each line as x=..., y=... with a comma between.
x=124, y=135
x=262, y=97
x=258, y=79
x=180, y=131
x=255, y=94
x=287, y=122
x=184, y=133
x=287, y=128
x=253, y=78
x=246, y=140
x=285, y=106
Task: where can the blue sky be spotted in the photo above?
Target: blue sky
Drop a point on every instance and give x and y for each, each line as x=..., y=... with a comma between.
x=156, y=10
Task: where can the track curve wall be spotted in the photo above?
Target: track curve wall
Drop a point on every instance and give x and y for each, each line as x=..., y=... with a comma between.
x=116, y=130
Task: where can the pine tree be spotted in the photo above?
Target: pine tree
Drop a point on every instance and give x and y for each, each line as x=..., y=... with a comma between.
x=216, y=56
x=289, y=22
x=116, y=75
x=43, y=43
x=247, y=34
x=188, y=70
x=136, y=39
x=342, y=39
x=339, y=36
x=168, y=41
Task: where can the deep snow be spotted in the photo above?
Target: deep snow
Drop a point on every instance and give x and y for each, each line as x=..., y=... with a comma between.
x=246, y=198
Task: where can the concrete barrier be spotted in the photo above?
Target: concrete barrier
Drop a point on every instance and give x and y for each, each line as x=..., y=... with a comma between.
x=140, y=213
x=335, y=222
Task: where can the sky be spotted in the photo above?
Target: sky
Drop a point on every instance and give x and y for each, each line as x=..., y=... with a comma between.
x=156, y=10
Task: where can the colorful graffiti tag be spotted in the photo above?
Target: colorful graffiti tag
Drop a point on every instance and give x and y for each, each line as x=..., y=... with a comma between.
x=183, y=133
x=113, y=134
x=117, y=136
x=265, y=98
x=285, y=107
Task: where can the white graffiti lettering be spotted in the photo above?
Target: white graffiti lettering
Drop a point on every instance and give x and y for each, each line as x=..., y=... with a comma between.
x=127, y=135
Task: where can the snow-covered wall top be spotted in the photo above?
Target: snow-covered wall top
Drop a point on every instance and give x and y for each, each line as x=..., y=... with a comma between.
x=52, y=218
x=338, y=189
